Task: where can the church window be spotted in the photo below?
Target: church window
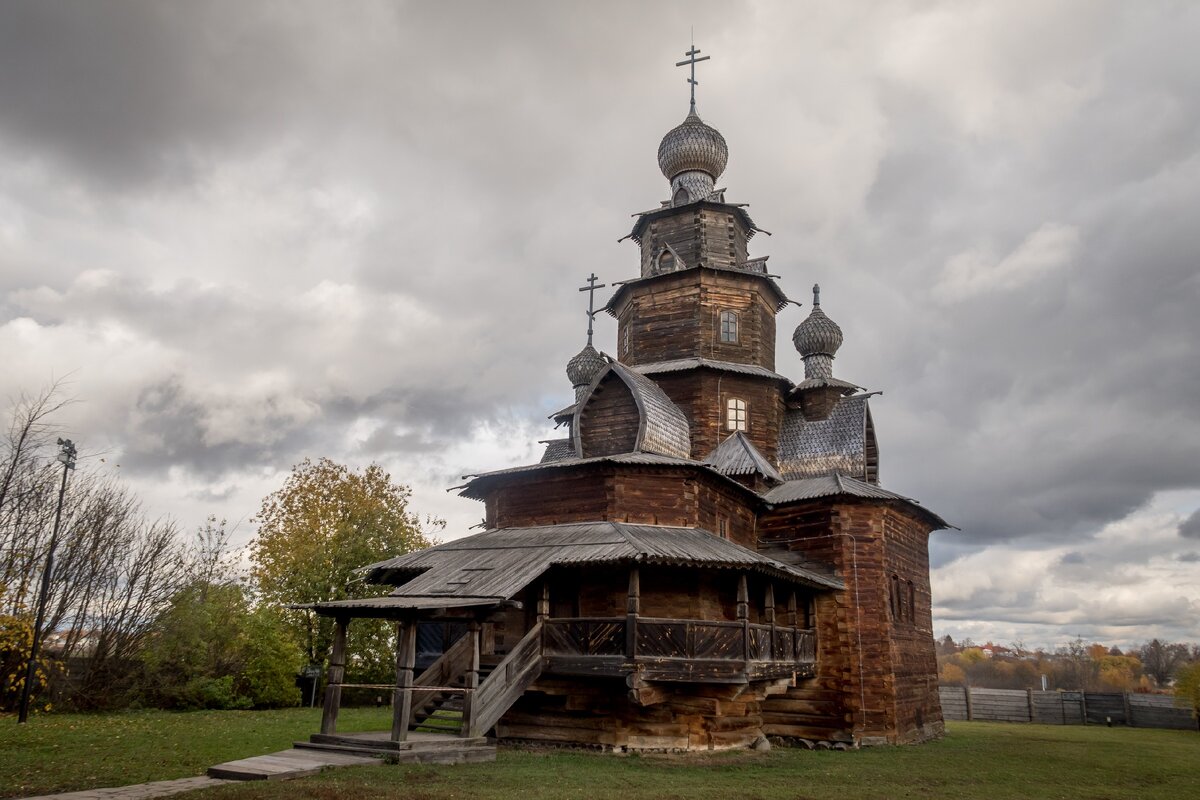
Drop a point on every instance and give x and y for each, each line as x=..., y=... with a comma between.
x=897, y=602
x=681, y=197
x=729, y=327
x=723, y=528
x=735, y=415
x=625, y=339
x=666, y=261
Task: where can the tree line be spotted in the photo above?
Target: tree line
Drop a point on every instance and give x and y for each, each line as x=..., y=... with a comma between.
x=139, y=613
x=1154, y=666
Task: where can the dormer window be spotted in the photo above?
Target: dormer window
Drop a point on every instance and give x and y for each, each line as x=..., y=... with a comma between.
x=735, y=415
x=666, y=261
x=729, y=327
x=681, y=198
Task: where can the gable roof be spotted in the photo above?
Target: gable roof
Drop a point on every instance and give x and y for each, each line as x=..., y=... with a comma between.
x=836, y=444
x=501, y=562
x=662, y=426
x=737, y=455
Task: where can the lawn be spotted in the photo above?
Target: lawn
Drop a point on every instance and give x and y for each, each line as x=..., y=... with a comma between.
x=65, y=752
x=984, y=760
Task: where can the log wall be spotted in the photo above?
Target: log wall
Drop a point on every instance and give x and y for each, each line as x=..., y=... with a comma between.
x=876, y=676
x=599, y=713
x=609, y=422
x=701, y=235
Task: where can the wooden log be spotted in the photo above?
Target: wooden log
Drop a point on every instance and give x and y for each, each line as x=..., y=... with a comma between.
x=406, y=655
x=472, y=681
x=337, y=673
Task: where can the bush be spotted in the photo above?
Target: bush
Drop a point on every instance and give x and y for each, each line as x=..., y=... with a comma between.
x=211, y=649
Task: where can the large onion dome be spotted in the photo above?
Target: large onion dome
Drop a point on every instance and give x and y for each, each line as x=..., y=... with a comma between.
x=584, y=366
x=693, y=146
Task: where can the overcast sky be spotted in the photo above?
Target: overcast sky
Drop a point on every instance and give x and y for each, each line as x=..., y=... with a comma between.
x=247, y=233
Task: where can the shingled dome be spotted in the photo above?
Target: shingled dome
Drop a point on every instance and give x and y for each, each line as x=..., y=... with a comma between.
x=693, y=146
x=817, y=335
x=585, y=366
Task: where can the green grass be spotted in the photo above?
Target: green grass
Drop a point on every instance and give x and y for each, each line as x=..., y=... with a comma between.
x=66, y=752
x=976, y=760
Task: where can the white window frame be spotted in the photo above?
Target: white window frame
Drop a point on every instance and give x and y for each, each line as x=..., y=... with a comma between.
x=737, y=415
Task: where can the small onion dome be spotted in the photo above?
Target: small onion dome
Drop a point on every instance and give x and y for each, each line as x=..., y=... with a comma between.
x=584, y=366
x=817, y=335
x=693, y=146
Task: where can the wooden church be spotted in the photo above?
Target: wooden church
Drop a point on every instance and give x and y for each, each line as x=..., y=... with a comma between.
x=705, y=559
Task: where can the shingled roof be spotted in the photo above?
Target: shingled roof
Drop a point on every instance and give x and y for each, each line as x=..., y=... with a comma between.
x=798, y=491
x=837, y=444
x=499, y=563
x=737, y=455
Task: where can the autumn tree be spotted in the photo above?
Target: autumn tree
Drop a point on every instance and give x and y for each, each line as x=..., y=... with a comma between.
x=1187, y=689
x=1161, y=659
x=315, y=533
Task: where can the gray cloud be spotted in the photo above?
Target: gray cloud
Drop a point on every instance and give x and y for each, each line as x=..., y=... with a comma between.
x=1190, y=527
x=257, y=234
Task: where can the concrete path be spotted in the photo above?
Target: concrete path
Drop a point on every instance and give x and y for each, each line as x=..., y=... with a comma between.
x=286, y=764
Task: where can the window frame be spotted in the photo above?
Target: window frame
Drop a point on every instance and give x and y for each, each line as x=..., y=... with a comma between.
x=735, y=319
x=737, y=415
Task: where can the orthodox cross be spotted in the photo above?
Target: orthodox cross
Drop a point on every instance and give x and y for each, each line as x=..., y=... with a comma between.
x=691, y=59
x=591, y=290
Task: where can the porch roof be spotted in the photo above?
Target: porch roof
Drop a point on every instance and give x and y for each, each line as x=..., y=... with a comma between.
x=502, y=562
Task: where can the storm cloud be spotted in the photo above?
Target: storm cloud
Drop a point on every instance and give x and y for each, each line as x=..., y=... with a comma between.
x=255, y=233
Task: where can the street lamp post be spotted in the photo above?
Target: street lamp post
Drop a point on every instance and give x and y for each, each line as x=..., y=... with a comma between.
x=66, y=456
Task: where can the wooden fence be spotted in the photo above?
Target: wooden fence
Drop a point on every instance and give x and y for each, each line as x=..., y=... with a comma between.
x=1064, y=708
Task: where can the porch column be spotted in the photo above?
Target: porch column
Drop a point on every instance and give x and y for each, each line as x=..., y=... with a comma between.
x=406, y=656
x=337, y=673
x=743, y=614
x=472, y=682
x=794, y=620
x=633, y=607
x=543, y=603
x=769, y=616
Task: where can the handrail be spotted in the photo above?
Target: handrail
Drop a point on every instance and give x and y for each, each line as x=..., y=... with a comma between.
x=508, y=681
x=442, y=672
x=801, y=645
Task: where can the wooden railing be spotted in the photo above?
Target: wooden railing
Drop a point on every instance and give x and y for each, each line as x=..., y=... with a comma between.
x=656, y=638
x=508, y=681
x=451, y=666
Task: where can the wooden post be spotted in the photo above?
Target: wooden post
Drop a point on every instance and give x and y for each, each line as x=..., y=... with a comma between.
x=793, y=620
x=337, y=673
x=1128, y=709
x=1029, y=701
x=633, y=607
x=743, y=614
x=769, y=615
x=543, y=604
x=406, y=656
x=970, y=710
x=472, y=683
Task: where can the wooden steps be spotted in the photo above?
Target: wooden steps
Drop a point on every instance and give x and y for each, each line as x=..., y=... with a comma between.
x=286, y=764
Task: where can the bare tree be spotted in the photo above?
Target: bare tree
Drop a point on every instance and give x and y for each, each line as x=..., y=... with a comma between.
x=1160, y=660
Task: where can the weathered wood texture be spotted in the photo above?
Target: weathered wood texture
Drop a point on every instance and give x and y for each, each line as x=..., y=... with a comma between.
x=1064, y=708
x=702, y=395
x=877, y=674
x=508, y=681
x=700, y=235
x=609, y=421
x=624, y=493
x=679, y=317
x=601, y=713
